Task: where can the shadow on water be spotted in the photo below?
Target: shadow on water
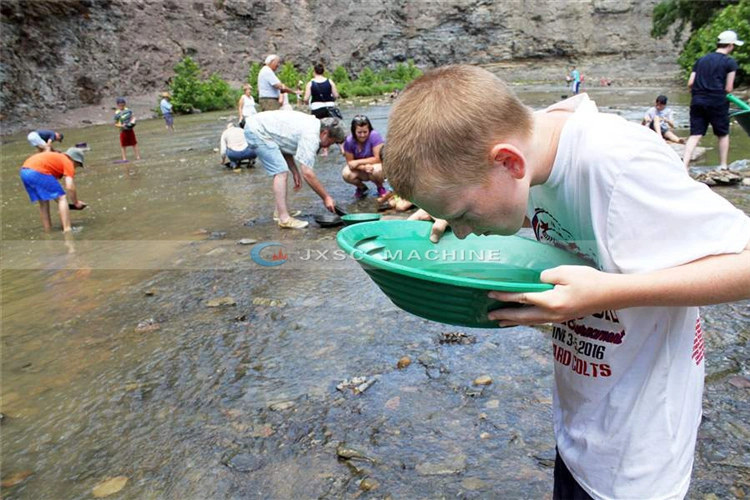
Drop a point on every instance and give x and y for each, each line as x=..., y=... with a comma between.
x=114, y=365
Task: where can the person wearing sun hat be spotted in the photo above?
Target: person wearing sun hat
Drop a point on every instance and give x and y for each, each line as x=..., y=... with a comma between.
x=166, y=110
x=710, y=82
x=39, y=175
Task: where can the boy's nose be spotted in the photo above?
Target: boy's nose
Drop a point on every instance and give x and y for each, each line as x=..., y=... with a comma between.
x=461, y=231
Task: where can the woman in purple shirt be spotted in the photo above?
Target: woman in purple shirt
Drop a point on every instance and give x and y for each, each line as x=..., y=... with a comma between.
x=362, y=151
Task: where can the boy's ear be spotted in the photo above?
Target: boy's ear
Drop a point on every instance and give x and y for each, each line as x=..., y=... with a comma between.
x=510, y=158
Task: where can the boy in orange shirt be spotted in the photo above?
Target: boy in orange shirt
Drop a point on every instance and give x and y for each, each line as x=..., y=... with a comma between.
x=39, y=175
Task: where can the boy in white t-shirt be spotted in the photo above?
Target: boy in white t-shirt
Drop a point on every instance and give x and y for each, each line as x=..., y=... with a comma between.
x=660, y=119
x=627, y=339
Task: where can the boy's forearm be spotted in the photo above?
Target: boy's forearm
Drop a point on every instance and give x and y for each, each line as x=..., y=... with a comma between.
x=711, y=280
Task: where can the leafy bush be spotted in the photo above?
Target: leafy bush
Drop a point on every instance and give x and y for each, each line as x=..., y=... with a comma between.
x=189, y=92
x=252, y=78
x=340, y=75
x=701, y=42
x=216, y=94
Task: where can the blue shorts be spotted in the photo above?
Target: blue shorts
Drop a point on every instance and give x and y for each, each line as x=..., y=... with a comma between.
x=36, y=140
x=246, y=154
x=268, y=153
x=169, y=119
x=41, y=187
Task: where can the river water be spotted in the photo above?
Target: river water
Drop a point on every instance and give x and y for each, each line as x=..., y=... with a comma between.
x=113, y=363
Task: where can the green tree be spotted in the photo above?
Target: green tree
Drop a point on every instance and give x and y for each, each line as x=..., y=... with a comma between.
x=190, y=92
x=696, y=13
x=216, y=94
x=185, y=85
x=702, y=41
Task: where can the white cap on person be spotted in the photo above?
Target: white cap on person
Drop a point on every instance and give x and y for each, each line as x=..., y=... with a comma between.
x=730, y=36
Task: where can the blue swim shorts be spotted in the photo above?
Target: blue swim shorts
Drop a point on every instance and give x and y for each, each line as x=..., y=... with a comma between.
x=268, y=153
x=41, y=187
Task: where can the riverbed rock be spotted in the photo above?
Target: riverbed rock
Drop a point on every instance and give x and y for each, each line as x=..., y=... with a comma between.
x=221, y=302
x=109, y=487
x=281, y=405
x=719, y=178
x=247, y=241
x=483, y=380
x=244, y=462
x=403, y=362
x=16, y=478
x=456, y=338
x=346, y=452
x=453, y=465
x=263, y=301
x=147, y=325
x=368, y=484
x=740, y=382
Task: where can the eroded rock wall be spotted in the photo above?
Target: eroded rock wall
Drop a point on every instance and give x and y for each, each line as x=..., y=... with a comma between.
x=60, y=54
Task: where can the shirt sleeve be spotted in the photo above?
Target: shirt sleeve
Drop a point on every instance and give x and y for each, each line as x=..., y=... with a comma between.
x=659, y=217
x=223, y=144
x=375, y=139
x=69, y=168
x=349, y=145
x=272, y=78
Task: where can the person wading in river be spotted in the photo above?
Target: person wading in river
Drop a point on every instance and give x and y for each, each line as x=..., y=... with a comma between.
x=39, y=175
x=282, y=139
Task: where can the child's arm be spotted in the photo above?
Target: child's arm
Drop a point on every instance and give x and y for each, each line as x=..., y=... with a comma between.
x=580, y=291
x=308, y=91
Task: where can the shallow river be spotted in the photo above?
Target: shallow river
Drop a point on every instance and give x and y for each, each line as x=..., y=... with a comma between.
x=114, y=365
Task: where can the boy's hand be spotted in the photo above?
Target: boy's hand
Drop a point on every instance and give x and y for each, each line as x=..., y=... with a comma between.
x=438, y=228
x=79, y=205
x=579, y=291
x=330, y=204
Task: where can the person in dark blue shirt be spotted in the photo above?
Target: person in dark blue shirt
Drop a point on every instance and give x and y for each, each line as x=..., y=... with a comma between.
x=42, y=139
x=710, y=82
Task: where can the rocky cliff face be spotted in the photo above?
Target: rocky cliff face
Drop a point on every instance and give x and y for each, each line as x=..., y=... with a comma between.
x=61, y=54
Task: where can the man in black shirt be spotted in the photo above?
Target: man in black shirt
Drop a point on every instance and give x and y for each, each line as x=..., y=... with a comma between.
x=710, y=82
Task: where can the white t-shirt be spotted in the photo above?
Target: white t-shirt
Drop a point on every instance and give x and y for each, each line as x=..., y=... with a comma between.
x=628, y=383
x=266, y=81
x=232, y=138
x=248, y=106
x=294, y=132
x=664, y=114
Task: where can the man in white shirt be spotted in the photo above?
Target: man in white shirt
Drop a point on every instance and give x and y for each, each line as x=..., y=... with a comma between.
x=269, y=85
x=289, y=140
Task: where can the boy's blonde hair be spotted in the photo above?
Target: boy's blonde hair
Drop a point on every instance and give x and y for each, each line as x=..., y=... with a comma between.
x=443, y=126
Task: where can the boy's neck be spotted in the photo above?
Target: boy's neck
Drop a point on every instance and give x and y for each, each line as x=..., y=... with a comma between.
x=542, y=148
